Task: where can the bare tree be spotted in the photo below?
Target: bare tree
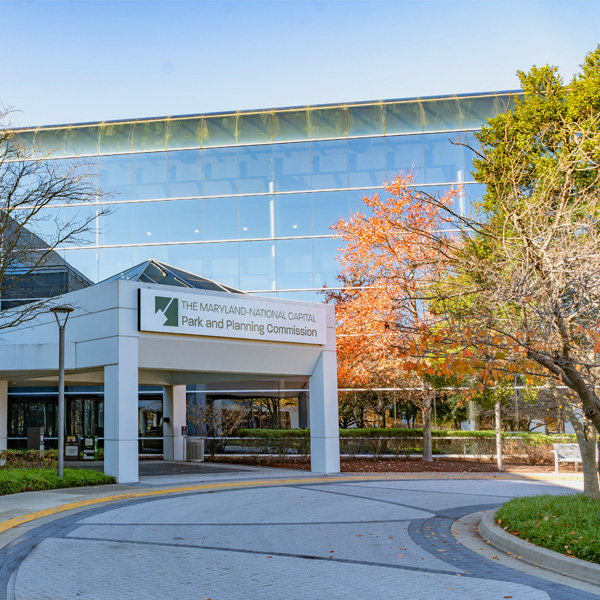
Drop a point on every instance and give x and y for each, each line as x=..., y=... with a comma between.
x=216, y=422
x=33, y=192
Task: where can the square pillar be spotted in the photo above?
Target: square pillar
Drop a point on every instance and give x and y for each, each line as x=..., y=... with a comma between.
x=324, y=427
x=174, y=409
x=3, y=415
x=121, y=447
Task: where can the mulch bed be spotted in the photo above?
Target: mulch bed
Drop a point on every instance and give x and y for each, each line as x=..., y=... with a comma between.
x=369, y=465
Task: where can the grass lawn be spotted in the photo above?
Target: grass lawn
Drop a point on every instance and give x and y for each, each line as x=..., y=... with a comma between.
x=566, y=524
x=13, y=481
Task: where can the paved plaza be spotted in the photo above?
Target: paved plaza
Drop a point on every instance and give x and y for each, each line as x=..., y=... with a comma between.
x=316, y=539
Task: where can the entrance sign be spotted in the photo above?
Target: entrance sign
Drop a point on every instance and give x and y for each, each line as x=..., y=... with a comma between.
x=233, y=316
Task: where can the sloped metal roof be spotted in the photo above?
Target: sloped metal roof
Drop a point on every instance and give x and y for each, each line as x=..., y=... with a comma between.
x=153, y=271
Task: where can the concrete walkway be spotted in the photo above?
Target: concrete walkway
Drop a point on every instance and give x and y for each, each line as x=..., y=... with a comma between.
x=267, y=534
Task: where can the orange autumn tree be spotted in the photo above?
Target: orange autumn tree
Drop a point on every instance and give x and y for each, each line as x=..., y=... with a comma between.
x=387, y=262
x=364, y=364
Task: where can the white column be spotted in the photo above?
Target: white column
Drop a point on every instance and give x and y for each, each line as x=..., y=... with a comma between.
x=3, y=415
x=121, y=413
x=174, y=409
x=324, y=429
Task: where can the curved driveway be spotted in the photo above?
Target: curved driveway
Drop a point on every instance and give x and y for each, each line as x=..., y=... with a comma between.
x=360, y=539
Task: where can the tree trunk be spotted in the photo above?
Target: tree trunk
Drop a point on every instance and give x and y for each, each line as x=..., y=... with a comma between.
x=427, y=446
x=586, y=436
x=498, y=415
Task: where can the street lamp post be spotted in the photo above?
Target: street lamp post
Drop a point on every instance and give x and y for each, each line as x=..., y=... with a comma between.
x=62, y=314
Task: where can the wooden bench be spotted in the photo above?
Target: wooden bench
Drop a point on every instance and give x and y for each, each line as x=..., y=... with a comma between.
x=569, y=453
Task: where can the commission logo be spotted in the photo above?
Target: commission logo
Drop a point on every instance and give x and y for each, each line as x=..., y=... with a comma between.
x=169, y=308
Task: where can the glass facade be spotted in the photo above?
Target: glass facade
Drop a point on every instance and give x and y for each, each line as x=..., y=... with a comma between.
x=248, y=198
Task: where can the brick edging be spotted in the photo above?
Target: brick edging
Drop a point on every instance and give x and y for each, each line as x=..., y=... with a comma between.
x=540, y=557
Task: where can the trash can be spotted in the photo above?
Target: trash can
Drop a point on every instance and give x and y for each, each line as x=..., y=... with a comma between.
x=71, y=447
x=35, y=438
x=90, y=447
x=195, y=449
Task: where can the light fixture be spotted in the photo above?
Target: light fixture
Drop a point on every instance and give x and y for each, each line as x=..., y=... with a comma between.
x=62, y=315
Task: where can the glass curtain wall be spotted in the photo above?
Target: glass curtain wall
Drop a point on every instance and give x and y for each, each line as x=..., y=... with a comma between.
x=248, y=199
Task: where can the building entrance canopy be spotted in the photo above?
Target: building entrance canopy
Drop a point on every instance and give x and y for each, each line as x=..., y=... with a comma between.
x=126, y=332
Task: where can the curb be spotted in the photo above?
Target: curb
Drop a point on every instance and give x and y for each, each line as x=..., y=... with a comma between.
x=539, y=557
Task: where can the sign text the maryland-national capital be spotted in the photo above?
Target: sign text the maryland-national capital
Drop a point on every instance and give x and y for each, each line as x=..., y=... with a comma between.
x=236, y=317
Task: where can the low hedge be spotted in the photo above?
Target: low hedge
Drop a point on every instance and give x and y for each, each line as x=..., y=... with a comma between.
x=33, y=458
x=374, y=432
x=28, y=458
x=567, y=524
x=14, y=481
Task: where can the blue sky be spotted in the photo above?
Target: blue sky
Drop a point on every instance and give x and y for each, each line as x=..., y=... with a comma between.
x=69, y=62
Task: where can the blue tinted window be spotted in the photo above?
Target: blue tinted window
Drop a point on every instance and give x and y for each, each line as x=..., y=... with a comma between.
x=405, y=154
x=329, y=164
x=185, y=220
x=77, y=217
x=357, y=203
x=219, y=168
x=328, y=122
x=149, y=222
x=185, y=174
x=85, y=260
x=365, y=120
x=403, y=117
x=150, y=135
x=304, y=296
x=222, y=263
x=219, y=131
x=257, y=266
x=257, y=217
x=441, y=114
x=150, y=176
x=329, y=208
x=187, y=257
x=82, y=140
x=116, y=228
x=366, y=158
x=293, y=215
x=290, y=125
x=469, y=156
x=292, y=167
x=294, y=264
x=475, y=111
x=114, y=260
x=254, y=128
x=474, y=193
x=443, y=160
x=220, y=218
x=462, y=200
x=115, y=137
x=255, y=169
x=116, y=176
x=86, y=168
x=144, y=253
x=48, y=223
x=326, y=265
